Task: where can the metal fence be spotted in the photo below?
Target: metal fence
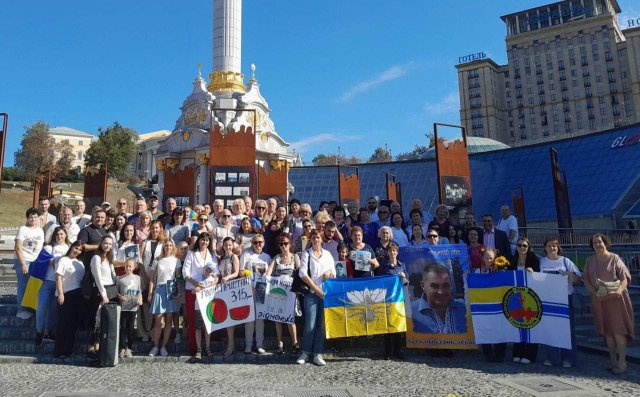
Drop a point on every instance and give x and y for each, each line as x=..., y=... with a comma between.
x=578, y=236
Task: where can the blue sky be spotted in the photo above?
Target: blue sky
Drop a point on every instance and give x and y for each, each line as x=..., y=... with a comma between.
x=355, y=74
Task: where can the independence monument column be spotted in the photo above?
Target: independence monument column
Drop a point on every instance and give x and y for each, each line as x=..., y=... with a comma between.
x=227, y=47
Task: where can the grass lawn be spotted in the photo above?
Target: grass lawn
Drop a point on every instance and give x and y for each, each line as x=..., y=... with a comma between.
x=16, y=200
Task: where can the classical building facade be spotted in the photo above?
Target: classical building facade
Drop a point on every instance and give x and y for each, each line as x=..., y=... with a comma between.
x=571, y=71
x=224, y=144
x=143, y=165
x=78, y=140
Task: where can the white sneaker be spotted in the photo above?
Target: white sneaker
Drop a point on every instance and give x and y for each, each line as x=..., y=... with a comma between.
x=547, y=363
x=318, y=360
x=517, y=359
x=24, y=315
x=128, y=353
x=154, y=352
x=525, y=361
x=123, y=353
x=164, y=352
x=303, y=358
x=261, y=351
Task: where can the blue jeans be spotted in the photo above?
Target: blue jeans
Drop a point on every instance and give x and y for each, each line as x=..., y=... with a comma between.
x=22, y=282
x=47, y=312
x=313, y=336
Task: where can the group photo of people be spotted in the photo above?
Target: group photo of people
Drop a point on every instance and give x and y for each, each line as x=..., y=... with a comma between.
x=153, y=259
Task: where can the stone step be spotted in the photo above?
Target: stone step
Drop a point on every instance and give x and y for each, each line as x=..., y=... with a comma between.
x=10, y=320
x=8, y=308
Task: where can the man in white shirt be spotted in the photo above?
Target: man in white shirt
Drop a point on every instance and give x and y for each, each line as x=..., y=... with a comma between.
x=47, y=221
x=509, y=224
x=372, y=204
x=81, y=219
x=65, y=221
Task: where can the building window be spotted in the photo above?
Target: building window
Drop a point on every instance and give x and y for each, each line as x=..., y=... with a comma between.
x=79, y=155
x=80, y=142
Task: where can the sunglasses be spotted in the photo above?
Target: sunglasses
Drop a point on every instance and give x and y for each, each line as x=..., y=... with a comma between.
x=261, y=208
x=258, y=242
x=226, y=216
x=523, y=245
x=432, y=236
x=203, y=219
x=283, y=244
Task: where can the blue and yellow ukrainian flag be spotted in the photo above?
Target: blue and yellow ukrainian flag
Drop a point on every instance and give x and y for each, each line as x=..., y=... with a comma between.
x=37, y=273
x=519, y=306
x=363, y=306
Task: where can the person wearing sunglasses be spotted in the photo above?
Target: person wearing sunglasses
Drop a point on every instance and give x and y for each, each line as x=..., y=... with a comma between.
x=433, y=238
x=525, y=259
x=283, y=265
x=203, y=227
x=257, y=262
x=259, y=219
x=226, y=228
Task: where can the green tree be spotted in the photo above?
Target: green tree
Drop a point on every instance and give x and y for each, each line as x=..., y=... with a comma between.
x=380, y=155
x=333, y=159
x=115, y=147
x=415, y=154
x=39, y=153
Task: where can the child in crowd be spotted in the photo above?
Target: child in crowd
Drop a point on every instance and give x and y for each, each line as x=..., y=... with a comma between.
x=343, y=256
x=130, y=297
x=183, y=248
x=210, y=278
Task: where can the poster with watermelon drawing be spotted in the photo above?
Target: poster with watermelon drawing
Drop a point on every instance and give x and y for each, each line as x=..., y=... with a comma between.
x=226, y=305
x=279, y=302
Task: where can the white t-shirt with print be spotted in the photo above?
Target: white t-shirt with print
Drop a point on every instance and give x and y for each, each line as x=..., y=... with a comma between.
x=32, y=242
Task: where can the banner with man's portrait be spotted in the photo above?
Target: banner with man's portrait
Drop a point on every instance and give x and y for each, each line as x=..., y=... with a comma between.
x=437, y=316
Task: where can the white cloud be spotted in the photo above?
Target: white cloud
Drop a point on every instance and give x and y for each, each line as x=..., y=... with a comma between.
x=307, y=143
x=393, y=73
x=449, y=103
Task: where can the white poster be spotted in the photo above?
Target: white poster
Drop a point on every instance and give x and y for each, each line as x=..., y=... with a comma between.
x=226, y=305
x=278, y=302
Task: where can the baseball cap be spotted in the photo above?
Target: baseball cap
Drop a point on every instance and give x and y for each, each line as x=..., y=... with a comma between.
x=153, y=197
x=105, y=203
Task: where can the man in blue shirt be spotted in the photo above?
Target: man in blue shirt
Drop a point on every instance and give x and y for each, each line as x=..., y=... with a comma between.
x=436, y=312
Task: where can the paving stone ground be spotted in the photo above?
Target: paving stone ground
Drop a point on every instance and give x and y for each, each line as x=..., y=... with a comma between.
x=465, y=374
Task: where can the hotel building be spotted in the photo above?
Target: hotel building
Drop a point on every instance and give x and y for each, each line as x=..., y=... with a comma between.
x=571, y=71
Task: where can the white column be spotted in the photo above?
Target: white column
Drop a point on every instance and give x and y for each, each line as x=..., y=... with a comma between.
x=204, y=186
x=227, y=35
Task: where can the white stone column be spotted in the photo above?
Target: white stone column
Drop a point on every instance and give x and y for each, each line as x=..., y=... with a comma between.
x=227, y=35
x=203, y=161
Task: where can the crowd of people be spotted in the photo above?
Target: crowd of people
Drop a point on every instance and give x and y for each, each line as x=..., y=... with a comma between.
x=153, y=263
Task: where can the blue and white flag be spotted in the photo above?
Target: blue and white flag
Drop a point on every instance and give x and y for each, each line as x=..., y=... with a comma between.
x=508, y=306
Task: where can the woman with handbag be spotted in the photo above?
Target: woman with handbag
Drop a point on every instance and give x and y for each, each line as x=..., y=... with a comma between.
x=104, y=277
x=555, y=263
x=284, y=265
x=606, y=278
x=163, y=296
x=316, y=265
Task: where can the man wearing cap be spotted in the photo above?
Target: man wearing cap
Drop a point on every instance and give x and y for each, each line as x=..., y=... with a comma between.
x=106, y=205
x=153, y=207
